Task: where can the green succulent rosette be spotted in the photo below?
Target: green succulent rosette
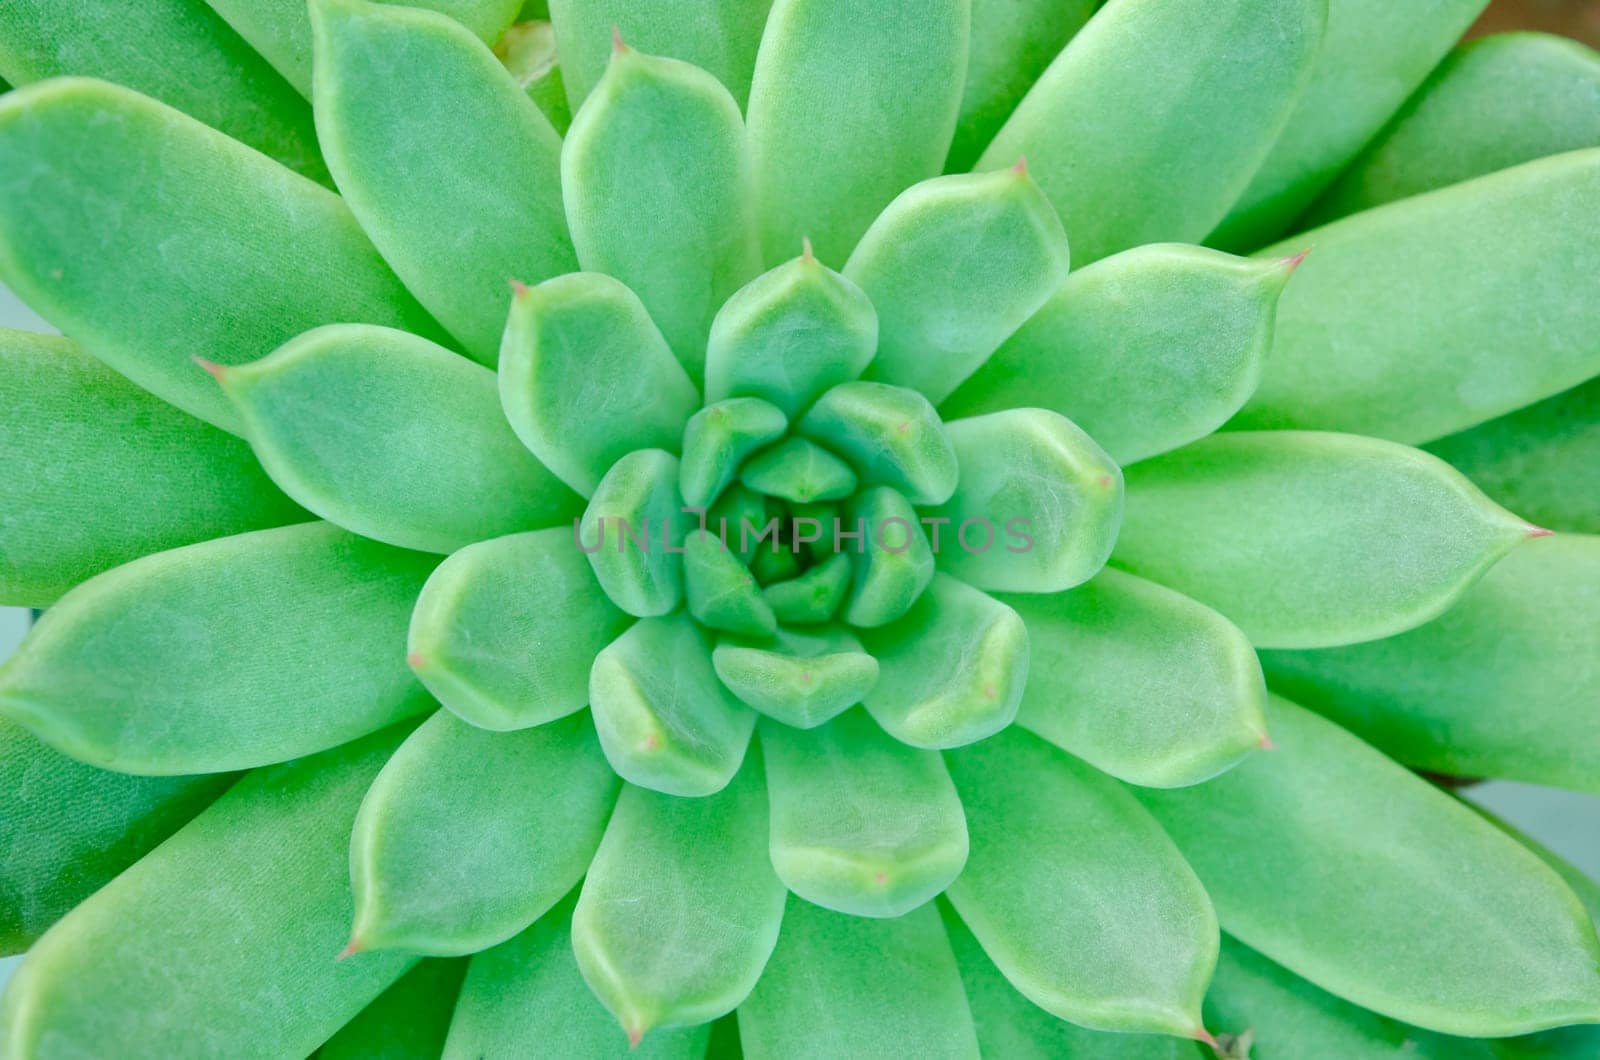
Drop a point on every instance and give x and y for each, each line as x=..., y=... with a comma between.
x=767, y=527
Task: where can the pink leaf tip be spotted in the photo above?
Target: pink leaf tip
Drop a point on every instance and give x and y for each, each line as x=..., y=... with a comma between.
x=617, y=44
x=1265, y=743
x=1293, y=263
x=518, y=288
x=635, y=1036
x=212, y=368
x=1020, y=166
x=1200, y=1034
x=351, y=948
x=1539, y=531
x=808, y=253
x=416, y=660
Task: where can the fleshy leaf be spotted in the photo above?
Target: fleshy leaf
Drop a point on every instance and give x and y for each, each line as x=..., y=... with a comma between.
x=717, y=440
x=1501, y=685
x=850, y=104
x=149, y=238
x=890, y=435
x=892, y=562
x=468, y=836
x=393, y=437
x=1148, y=350
x=814, y=596
x=1359, y=348
x=233, y=653
x=802, y=678
x=505, y=631
x=1200, y=90
x=952, y=670
x=177, y=51
x=722, y=593
x=408, y=1021
x=954, y=265
x=861, y=823
x=586, y=377
x=242, y=965
x=632, y=533
x=680, y=909
x=1076, y=895
x=740, y=517
x=777, y=561
x=490, y=208
x=528, y=50
x=526, y=998
x=842, y=985
x=657, y=190
x=68, y=829
x=799, y=470
x=1140, y=681
x=1373, y=884
x=665, y=721
x=98, y=472
x=1037, y=508
x=1309, y=540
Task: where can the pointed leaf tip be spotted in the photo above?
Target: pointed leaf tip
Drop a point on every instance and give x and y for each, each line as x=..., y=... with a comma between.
x=1020, y=166
x=416, y=661
x=617, y=44
x=212, y=368
x=635, y=1035
x=353, y=947
x=1266, y=743
x=808, y=253
x=1539, y=531
x=1292, y=263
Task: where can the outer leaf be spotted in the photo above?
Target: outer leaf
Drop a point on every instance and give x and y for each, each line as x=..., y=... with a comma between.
x=850, y=986
x=1037, y=508
x=1184, y=143
x=468, y=836
x=97, y=472
x=177, y=51
x=490, y=207
x=1374, y=54
x=408, y=1021
x=233, y=653
x=1542, y=461
x=893, y=562
x=68, y=828
x=1360, y=349
x=665, y=721
x=1311, y=540
x=526, y=998
x=1140, y=681
x=242, y=965
x=1501, y=685
x=1406, y=903
x=392, y=437
x=505, y=631
x=1493, y=104
x=586, y=377
x=891, y=435
x=150, y=238
x=850, y=104
x=657, y=191
x=861, y=823
x=801, y=679
x=1148, y=350
x=680, y=909
x=631, y=533
x=1011, y=1026
x=954, y=265
x=720, y=36
x=1076, y=895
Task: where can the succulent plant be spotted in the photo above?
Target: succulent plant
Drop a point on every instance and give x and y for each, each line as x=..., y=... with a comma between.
x=626, y=523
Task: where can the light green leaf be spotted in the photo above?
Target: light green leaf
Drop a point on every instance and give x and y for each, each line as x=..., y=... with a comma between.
x=1374, y=54
x=1037, y=508
x=1309, y=540
x=851, y=986
x=505, y=631
x=526, y=998
x=893, y=562
x=891, y=435
x=586, y=378
x=814, y=596
x=861, y=823
x=798, y=470
x=680, y=909
x=1076, y=895
x=233, y=653
x=722, y=593
x=632, y=530
x=851, y=103
x=1200, y=90
x=1493, y=104
x=393, y=437
x=954, y=265
x=1139, y=681
x=952, y=670
x=1375, y=885
x=68, y=828
x=177, y=51
x=716, y=442
x=789, y=335
x=490, y=208
x=242, y=965
x=1542, y=461
x=740, y=517
x=1501, y=685
x=665, y=721
x=1361, y=348
x=468, y=836
x=1148, y=350
x=150, y=238
x=408, y=1021
x=97, y=472
x=657, y=189
x=802, y=678
x=720, y=36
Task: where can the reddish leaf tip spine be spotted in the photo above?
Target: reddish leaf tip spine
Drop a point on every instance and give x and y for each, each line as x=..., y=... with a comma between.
x=212, y=368
x=351, y=948
x=1020, y=166
x=1539, y=531
x=1293, y=263
x=617, y=44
